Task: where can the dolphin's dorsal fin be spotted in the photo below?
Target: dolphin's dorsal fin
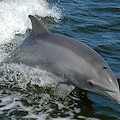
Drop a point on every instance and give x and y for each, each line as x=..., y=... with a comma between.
x=37, y=26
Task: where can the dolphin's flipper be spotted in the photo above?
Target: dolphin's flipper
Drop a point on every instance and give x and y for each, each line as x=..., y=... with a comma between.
x=63, y=89
x=37, y=27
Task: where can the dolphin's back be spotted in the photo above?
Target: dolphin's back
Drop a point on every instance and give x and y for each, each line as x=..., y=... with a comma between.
x=56, y=48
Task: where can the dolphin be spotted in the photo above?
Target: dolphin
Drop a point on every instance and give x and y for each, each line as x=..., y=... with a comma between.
x=73, y=63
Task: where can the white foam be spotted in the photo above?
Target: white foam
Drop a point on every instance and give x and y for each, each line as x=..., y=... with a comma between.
x=8, y=106
x=14, y=16
x=23, y=74
x=88, y=118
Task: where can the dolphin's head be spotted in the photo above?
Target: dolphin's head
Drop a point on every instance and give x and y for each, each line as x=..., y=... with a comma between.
x=102, y=81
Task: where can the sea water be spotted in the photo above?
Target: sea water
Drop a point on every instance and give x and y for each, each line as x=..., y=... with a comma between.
x=26, y=93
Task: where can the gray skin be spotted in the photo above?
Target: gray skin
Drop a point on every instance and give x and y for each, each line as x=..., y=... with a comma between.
x=73, y=63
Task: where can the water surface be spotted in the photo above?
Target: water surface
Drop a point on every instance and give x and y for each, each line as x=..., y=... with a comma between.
x=25, y=92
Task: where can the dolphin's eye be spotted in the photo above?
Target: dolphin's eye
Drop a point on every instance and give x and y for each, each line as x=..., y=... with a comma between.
x=90, y=83
x=105, y=67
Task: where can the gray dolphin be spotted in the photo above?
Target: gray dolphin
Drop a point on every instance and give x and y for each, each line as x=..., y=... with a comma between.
x=73, y=63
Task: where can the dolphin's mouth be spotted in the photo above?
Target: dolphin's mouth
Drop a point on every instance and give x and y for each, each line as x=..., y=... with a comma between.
x=113, y=95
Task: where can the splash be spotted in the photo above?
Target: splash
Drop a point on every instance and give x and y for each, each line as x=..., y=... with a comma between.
x=14, y=16
x=22, y=75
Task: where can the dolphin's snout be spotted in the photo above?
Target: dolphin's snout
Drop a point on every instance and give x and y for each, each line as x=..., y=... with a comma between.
x=115, y=96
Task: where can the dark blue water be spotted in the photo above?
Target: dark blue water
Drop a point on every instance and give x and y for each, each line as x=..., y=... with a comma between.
x=93, y=22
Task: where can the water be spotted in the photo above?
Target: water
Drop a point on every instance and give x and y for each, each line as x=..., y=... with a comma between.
x=25, y=92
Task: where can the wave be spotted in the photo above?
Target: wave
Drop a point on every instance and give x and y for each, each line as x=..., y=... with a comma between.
x=14, y=16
